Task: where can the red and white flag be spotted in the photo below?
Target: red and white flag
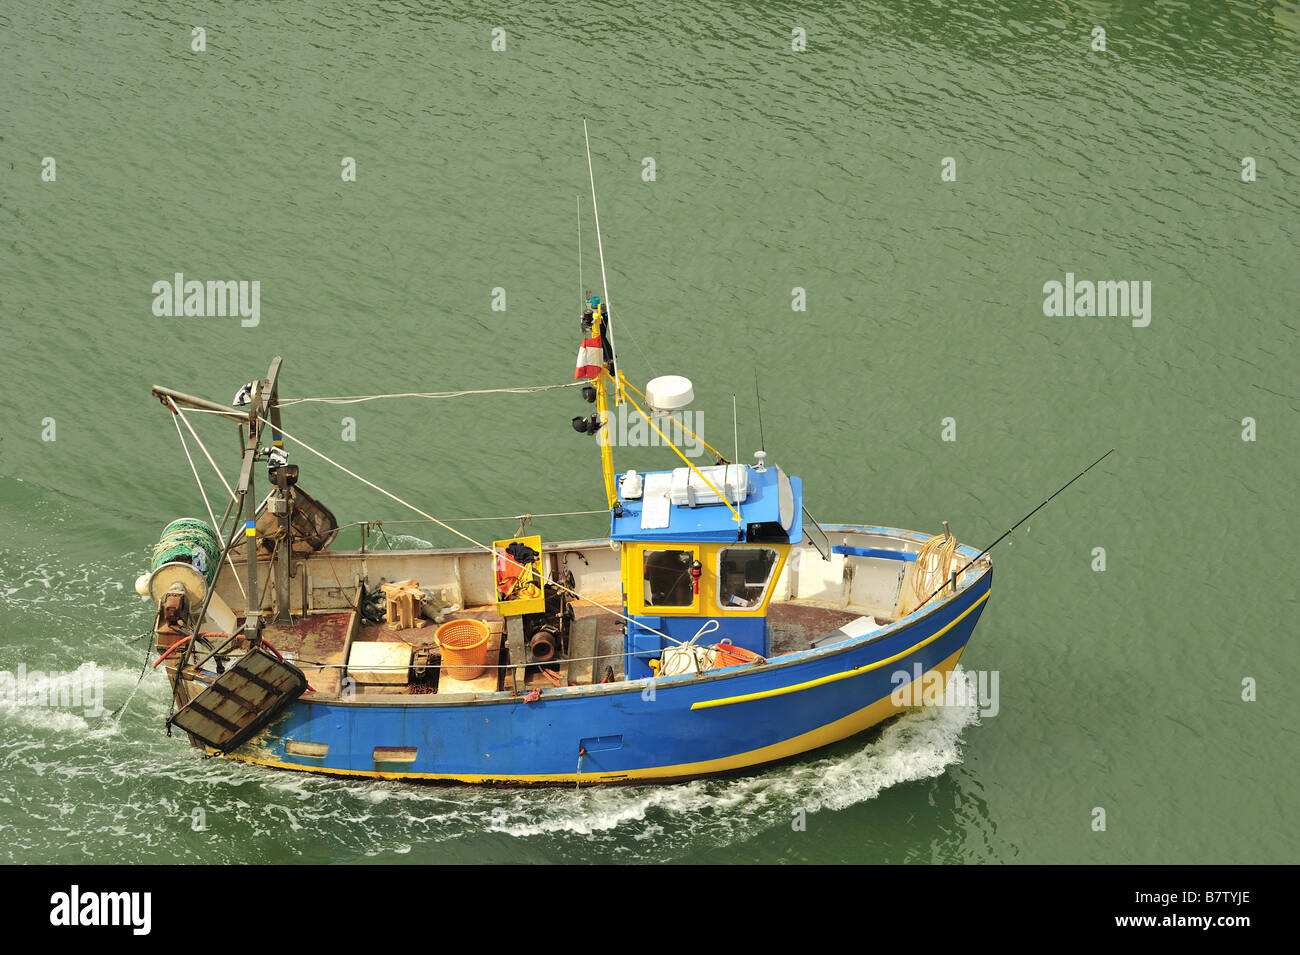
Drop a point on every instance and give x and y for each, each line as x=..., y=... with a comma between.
x=591, y=355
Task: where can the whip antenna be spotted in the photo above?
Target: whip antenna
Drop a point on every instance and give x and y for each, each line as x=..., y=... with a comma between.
x=582, y=288
x=608, y=330
x=735, y=430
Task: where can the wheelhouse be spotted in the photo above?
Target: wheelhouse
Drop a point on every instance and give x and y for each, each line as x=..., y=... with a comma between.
x=701, y=545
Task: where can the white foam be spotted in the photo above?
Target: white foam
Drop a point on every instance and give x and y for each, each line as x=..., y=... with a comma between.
x=408, y=542
x=921, y=744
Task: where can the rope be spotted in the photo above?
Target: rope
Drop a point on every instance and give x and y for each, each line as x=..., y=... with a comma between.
x=512, y=517
x=626, y=329
x=469, y=520
x=203, y=448
x=452, y=530
x=215, y=526
x=117, y=714
x=357, y=399
x=934, y=566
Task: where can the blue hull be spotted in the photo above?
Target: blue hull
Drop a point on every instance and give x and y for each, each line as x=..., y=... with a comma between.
x=671, y=729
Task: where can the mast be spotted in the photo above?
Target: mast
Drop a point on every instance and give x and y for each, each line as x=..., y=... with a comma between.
x=257, y=407
x=263, y=403
x=602, y=328
x=282, y=504
x=603, y=385
x=600, y=247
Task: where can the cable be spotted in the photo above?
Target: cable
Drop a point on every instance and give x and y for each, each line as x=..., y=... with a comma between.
x=357, y=399
x=202, y=447
x=464, y=537
x=215, y=526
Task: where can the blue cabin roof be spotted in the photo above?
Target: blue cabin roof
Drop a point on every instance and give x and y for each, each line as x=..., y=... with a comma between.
x=771, y=510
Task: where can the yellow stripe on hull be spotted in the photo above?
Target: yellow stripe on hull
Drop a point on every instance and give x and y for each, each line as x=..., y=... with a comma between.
x=834, y=677
x=834, y=732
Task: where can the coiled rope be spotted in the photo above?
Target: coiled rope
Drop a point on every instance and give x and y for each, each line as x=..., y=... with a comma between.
x=934, y=567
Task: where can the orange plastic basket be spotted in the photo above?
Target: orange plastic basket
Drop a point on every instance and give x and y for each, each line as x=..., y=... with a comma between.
x=464, y=648
x=727, y=654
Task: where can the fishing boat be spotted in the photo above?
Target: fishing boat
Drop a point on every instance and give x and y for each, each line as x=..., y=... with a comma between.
x=715, y=628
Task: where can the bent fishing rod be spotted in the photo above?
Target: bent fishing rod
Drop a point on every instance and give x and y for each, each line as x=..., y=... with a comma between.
x=953, y=579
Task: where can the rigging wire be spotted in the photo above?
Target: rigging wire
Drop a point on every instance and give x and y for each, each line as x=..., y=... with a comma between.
x=203, y=448
x=465, y=537
x=607, y=330
x=357, y=399
x=682, y=424
x=474, y=520
x=204, y=494
x=626, y=329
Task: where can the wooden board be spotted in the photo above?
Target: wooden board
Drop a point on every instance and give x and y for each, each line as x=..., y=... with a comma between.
x=380, y=662
x=515, y=645
x=582, y=650
x=487, y=683
x=321, y=638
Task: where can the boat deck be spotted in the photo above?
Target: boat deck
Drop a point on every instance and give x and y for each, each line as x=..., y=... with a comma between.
x=320, y=643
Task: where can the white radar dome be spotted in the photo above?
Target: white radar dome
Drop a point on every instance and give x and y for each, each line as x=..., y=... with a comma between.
x=669, y=393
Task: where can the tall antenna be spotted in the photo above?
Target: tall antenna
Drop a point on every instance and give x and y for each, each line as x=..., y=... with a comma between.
x=582, y=287
x=735, y=429
x=758, y=399
x=600, y=247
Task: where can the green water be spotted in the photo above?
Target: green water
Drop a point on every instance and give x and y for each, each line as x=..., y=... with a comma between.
x=775, y=169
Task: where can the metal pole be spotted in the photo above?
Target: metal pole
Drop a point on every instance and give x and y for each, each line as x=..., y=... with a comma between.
x=608, y=330
x=252, y=612
x=284, y=498
x=181, y=398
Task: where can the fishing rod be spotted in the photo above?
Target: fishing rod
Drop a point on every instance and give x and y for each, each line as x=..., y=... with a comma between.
x=958, y=574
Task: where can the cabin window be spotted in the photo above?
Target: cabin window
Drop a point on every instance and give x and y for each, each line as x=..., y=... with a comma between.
x=743, y=576
x=668, y=578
